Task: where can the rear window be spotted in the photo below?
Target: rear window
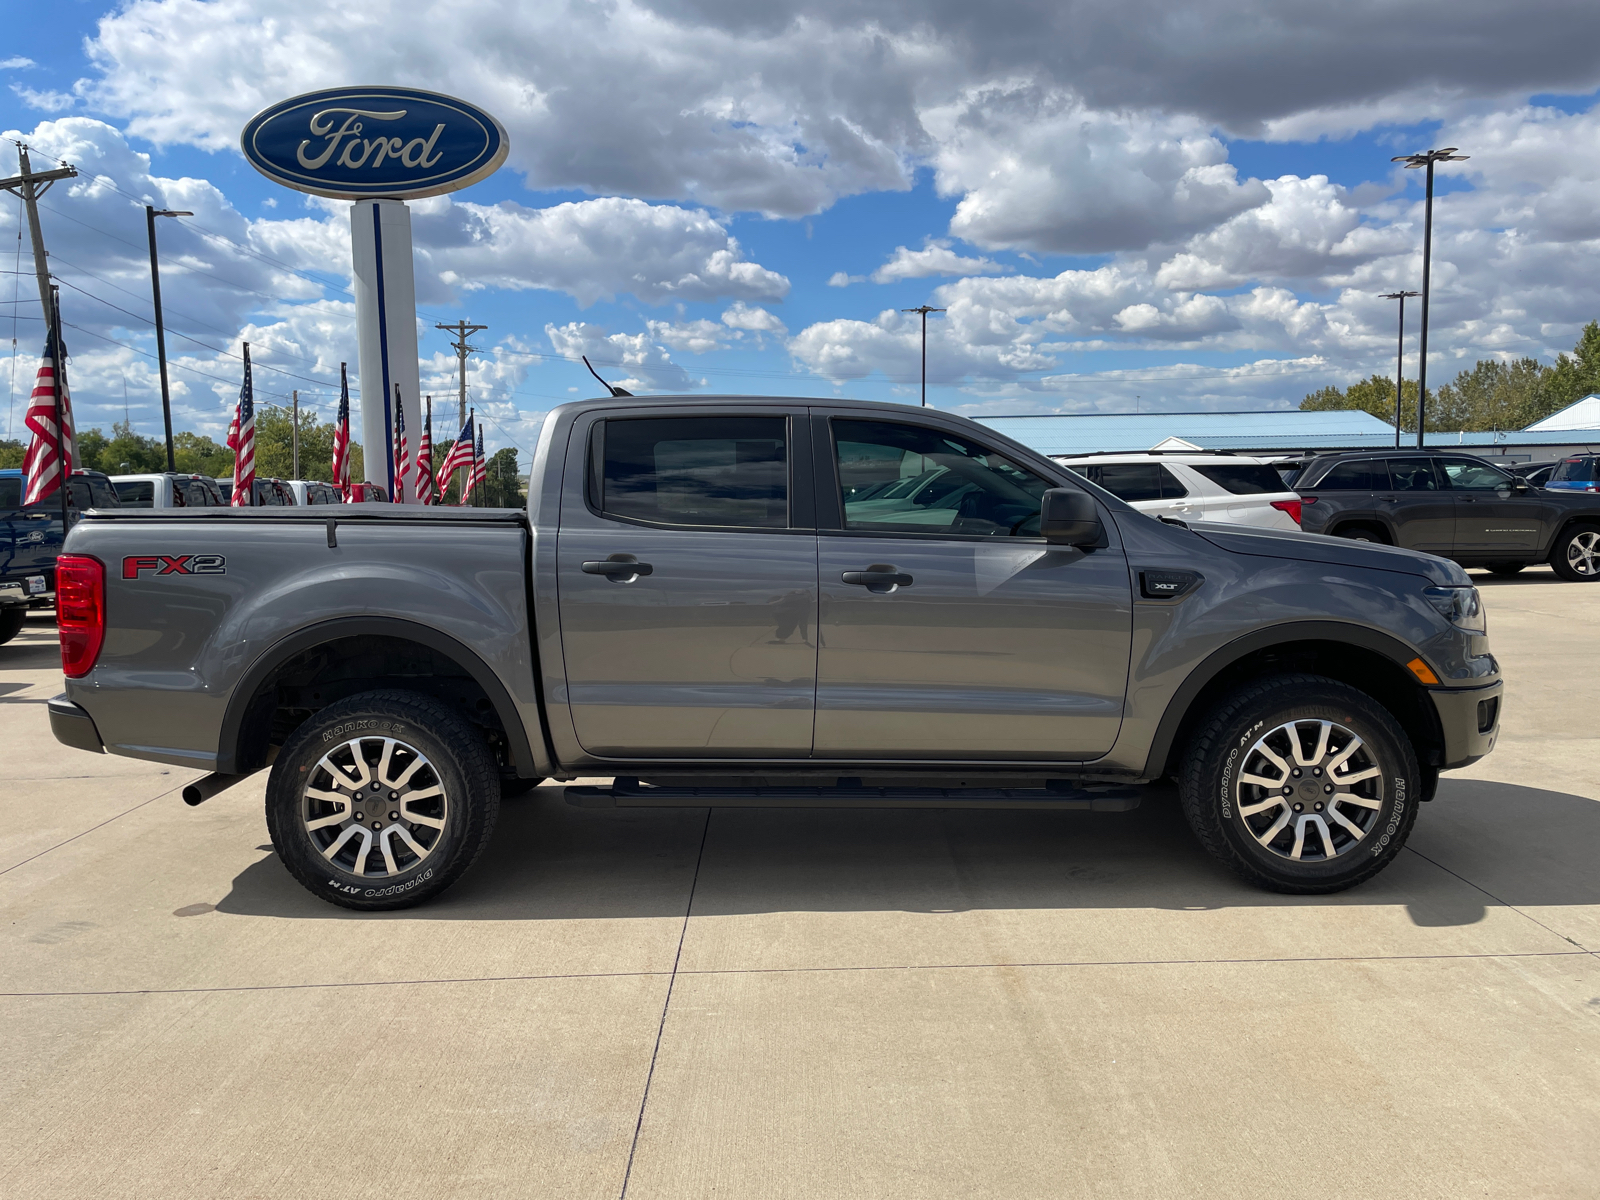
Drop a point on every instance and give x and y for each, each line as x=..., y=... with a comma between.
x=1242, y=479
x=10, y=493
x=1135, y=481
x=1573, y=470
x=727, y=471
x=94, y=493
x=1363, y=475
x=136, y=493
x=1413, y=475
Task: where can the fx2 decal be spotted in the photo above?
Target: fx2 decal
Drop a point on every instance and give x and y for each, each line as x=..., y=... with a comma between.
x=174, y=564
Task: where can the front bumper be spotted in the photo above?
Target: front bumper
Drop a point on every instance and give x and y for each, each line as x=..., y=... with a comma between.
x=1470, y=721
x=74, y=727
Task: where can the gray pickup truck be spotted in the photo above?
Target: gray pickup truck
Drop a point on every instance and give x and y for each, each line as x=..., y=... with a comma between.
x=753, y=600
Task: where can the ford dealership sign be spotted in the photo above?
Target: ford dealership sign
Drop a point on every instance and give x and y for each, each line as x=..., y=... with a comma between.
x=363, y=142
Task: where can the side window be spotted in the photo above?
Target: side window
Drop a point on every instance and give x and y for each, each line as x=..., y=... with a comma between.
x=1470, y=475
x=912, y=479
x=1130, y=481
x=136, y=493
x=1243, y=479
x=728, y=471
x=1362, y=475
x=1171, y=486
x=1413, y=475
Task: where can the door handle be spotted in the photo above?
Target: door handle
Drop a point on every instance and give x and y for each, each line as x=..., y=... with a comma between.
x=878, y=575
x=625, y=567
x=1387, y=499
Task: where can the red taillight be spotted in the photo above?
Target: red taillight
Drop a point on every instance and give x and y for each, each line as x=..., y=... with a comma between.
x=1292, y=507
x=80, y=612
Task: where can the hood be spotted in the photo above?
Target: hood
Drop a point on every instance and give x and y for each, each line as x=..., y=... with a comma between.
x=1315, y=547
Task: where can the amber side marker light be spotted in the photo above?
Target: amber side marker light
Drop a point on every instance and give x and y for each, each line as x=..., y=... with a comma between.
x=1421, y=670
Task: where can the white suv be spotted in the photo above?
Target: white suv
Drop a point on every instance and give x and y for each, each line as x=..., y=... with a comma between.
x=1195, y=487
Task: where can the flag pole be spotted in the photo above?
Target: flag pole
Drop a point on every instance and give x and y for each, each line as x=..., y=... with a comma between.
x=63, y=459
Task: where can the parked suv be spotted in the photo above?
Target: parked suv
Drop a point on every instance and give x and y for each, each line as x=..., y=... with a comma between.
x=268, y=492
x=1195, y=487
x=308, y=491
x=1455, y=506
x=167, y=490
x=1580, y=473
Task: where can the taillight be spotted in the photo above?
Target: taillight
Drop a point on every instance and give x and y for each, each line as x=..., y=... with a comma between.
x=80, y=612
x=1292, y=507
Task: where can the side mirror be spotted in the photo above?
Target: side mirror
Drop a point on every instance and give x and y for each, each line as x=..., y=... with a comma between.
x=1068, y=517
x=1521, y=486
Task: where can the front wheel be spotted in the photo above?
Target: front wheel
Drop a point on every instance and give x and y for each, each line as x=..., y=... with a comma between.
x=11, y=620
x=1576, y=555
x=382, y=800
x=1301, y=784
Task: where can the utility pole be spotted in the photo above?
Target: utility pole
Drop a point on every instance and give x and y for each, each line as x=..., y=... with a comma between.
x=924, y=310
x=462, y=331
x=150, y=215
x=294, y=438
x=27, y=186
x=1399, y=359
x=1426, y=159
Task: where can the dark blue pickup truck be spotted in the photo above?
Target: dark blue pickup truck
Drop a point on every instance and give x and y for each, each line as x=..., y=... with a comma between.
x=30, y=539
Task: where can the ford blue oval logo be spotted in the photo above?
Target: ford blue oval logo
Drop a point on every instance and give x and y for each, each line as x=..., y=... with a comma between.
x=359, y=142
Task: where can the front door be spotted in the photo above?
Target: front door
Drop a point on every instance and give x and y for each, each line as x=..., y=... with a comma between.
x=949, y=629
x=1491, y=516
x=688, y=588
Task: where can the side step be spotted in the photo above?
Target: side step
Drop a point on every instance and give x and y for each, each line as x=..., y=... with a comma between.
x=630, y=793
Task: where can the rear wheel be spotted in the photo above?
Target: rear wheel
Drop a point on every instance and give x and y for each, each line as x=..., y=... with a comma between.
x=1301, y=784
x=11, y=619
x=1576, y=555
x=1505, y=568
x=1365, y=533
x=382, y=800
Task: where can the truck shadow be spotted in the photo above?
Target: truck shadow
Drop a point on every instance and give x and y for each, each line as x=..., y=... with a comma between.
x=1480, y=845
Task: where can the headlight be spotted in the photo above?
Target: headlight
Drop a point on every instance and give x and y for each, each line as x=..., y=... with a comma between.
x=1461, y=606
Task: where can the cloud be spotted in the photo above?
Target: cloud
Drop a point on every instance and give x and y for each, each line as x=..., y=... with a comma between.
x=46, y=101
x=16, y=63
x=841, y=279
x=693, y=337
x=935, y=258
x=752, y=320
x=642, y=364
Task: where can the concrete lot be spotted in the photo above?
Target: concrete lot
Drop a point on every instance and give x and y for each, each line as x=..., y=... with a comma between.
x=678, y=1003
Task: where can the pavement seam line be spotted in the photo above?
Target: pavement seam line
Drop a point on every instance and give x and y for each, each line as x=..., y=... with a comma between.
x=1503, y=903
x=91, y=829
x=1062, y=964
x=666, y=1003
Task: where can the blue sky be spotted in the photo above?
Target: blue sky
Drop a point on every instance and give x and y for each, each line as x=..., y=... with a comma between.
x=1120, y=225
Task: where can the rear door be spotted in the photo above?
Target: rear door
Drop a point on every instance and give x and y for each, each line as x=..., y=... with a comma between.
x=1424, y=512
x=687, y=581
x=1491, y=516
x=956, y=632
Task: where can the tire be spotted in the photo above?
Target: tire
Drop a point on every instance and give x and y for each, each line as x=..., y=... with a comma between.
x=1576, y=555
x=1505, y=568
x=516, y=786
x=430, y=828
x=1365, y=533
x=11, y=619
x=1233, y=817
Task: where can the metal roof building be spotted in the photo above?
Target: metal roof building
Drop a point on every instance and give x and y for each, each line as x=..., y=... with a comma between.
x=1264, y=432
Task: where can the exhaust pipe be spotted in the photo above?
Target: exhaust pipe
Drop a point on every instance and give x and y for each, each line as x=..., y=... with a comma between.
x=204, y=788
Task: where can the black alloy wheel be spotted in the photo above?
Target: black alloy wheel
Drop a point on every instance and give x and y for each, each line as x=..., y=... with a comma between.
x=1301, y=784
x=1576, y=555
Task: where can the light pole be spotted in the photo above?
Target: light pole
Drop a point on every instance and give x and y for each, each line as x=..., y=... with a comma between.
x=1412, y=161
x=150, y=215
x=924, y=310
x=1399, y=360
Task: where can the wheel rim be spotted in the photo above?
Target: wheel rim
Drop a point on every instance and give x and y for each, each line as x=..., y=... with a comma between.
x=374, y=807
x=1309, y=791
x=1583, y=553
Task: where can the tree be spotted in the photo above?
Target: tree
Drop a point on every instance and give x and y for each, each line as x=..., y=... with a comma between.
x=11, y=454
x=500, y=482
x=1491, y=395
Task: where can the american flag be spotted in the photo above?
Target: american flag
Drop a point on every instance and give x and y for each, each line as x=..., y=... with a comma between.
x=402, y=460
x=242, y=440
x=425, y=457
x=42, y=464
x=460, y=454
x=479, y=465
x=341, y=438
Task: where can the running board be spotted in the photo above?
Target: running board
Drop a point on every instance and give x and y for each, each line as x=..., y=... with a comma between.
x=630, y=793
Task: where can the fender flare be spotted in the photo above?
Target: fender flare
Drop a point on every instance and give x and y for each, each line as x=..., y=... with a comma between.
x=1377, y=519
x=343, y=627
x=1219, y=660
